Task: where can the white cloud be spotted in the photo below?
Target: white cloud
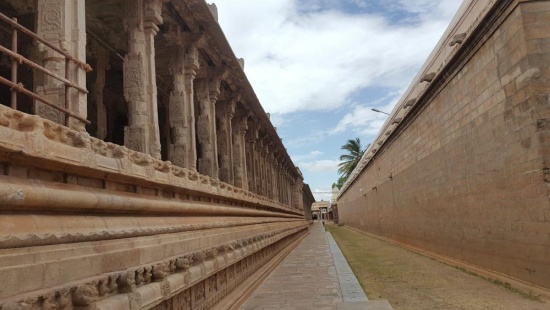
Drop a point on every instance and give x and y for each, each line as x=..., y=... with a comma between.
x=445, y=7
x=325, y=165
x=310, y=155
x=318, y=60
x=313, y=57
x=362, y=118
x=363, y=121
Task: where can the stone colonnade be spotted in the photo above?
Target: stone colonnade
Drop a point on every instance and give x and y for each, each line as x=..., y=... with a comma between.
x=215, y=125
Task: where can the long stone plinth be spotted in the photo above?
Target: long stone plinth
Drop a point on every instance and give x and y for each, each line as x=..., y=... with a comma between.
x=92, y=225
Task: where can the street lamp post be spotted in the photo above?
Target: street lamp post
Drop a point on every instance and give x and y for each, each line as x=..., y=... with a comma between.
x=376, y=110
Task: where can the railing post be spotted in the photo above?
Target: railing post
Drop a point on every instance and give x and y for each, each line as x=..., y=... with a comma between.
x=14, y=66
x=17, y=58
x=67, y=87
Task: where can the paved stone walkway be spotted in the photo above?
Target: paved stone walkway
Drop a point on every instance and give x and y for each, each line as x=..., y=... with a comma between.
x=308, y=279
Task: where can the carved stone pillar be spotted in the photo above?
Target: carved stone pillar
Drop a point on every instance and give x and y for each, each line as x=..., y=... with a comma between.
x=265, y=156
x=251, y=139
x=224, y=113
x=283, y=186
x=63, y=24
x=298, y=194
x=250, y=152
x=292, y=193
x=191, y=67
x=207, y=95
x=240, y=126
x=140, y=90
x=274, y=177
x=288, y=189
x=96, y=91
x=183, y=68
x=269, y=165
x=260, y=175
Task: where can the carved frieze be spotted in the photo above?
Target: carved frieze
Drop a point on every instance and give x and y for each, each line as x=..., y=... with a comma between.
x=198, y=293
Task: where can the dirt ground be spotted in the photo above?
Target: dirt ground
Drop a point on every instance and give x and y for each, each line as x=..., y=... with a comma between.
x=412, y=281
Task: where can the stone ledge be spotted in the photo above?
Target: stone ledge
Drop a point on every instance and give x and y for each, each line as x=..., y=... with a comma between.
x=35, y=138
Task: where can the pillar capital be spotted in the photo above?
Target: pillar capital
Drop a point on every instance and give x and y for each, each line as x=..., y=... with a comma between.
x=243, y=124
x=253, y=131
x=225, y=109
x=215, y=77
x=152, y=17
x=191, y=60
x=133, y=15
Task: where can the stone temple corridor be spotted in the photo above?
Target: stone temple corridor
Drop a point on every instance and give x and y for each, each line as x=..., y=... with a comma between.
x=139, y=170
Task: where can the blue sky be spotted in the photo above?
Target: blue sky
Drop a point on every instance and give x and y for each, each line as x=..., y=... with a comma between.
x=319, y=66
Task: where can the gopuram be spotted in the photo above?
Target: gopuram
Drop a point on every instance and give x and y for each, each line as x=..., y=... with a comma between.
x=138, y=168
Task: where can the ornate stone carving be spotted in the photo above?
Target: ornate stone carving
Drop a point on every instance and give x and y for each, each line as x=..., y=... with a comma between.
x=211, y=286
x=113, y=285
x=182, y=301
x=165, y=289
x=64, y=299
x=147, y=274
x=133, y=77
x=103, y=286
x=198, y=293
x=133, y=138
x=160, y=272
x=127, y=282
x=51, y=15
x=85, y=295
x=133, y=15
x=135, y=301
x=139, y=276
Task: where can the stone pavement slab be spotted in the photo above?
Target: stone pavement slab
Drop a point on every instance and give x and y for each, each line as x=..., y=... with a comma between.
x=351, y=289
x=306, y=279
x=315, y=275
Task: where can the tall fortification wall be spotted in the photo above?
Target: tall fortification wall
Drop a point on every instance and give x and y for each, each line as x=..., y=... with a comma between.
x=462, y=166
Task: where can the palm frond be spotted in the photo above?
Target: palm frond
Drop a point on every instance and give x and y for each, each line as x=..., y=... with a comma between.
x=349, y=161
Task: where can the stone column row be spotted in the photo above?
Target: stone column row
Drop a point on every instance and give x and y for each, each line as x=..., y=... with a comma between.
x=207, y=132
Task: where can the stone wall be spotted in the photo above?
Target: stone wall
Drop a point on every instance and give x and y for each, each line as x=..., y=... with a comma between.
x=465, y=173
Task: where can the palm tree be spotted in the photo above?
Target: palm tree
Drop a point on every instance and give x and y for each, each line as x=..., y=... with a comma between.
x=349, y=161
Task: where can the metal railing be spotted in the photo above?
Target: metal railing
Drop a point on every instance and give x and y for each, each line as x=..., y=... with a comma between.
x=17, y=59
